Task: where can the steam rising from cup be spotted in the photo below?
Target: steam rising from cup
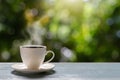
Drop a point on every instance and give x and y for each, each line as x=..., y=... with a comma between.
x=36, y=32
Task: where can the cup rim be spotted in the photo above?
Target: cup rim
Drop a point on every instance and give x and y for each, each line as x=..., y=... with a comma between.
x=32, y=46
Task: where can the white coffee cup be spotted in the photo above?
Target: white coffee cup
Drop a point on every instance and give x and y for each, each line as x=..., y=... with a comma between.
x=33, y=55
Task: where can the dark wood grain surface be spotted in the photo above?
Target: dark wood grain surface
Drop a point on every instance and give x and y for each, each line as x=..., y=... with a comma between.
x=66, y=71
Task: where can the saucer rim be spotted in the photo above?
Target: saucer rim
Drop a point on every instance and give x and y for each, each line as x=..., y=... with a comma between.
x=30, y=70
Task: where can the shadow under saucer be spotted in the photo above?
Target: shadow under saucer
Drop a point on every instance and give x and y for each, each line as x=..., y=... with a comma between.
x=34, y=75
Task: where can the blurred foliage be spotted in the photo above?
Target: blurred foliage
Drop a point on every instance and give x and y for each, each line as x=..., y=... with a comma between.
x=76, y=30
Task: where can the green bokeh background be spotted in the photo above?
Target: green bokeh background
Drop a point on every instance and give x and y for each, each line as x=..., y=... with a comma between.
x=76, y=30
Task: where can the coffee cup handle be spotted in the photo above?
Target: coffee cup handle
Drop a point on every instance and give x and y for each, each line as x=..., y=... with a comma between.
x=53, y=55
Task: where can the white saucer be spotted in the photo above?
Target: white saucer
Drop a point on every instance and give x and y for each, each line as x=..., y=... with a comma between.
x=20, y=67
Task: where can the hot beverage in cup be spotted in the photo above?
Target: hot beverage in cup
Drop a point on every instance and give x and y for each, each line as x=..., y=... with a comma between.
x=33, y=55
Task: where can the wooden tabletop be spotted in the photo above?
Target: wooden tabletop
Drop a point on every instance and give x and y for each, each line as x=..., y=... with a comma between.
x=66, y=71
